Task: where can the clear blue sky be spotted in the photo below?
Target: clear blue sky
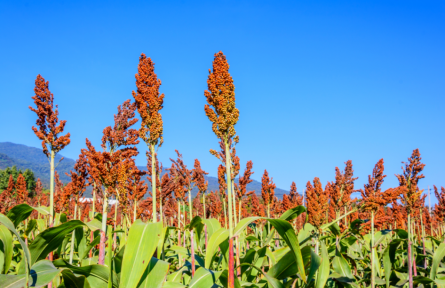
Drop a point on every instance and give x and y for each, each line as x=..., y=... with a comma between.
x=317, y=82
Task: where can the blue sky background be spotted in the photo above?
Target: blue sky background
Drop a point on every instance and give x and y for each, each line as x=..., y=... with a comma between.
x=317, y=82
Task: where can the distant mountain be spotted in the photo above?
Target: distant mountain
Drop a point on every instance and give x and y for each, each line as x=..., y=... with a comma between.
x=25, y=157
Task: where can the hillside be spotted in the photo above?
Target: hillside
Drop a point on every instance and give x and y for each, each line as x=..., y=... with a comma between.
x=25, y=157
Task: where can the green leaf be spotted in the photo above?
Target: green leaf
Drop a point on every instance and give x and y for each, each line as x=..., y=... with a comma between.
x=41, y=274
x=243, y=224
x=323, y=272
x=97, y=275
x=213, y=225
x=50, y=239
x=285, y=267
x=293, y=213
x=287, y=232
x=204, y=278
x=173, y=285
x=8, y=224
x=19, y=213
x=94, y=225
x=154, y=275
x=341, y=266
x=194, y=223
x=71, y=281
x=387, y=265
x=6, y=249
x=401, y=233
x=272, y=282
x=315, y=264
x=437, y=258
x=217, y=238
x=89, y=247
x=142, y=241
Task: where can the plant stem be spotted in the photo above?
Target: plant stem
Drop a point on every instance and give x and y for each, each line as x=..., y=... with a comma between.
x=153, y=181
x=410, y=263
x=73, y=237
x=103, y=230
x=51, y=188
x=231, y=281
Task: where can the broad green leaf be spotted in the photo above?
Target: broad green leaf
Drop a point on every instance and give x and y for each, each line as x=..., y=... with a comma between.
x=285, y=267
x=8, y=224
x=323, y=272
x=401, y=233
x=169, y=284
x=94, y=225
x=213, y=225
x=71, y=281
x=89, y=247
x=204, y=278
x=293, y=213
x=19, y=213
x=438, y=256
x=380, y=236
x=287, y=232
x=97, y=275
x=217, y=238
x=50, y=239
x=272, y=282
x=154, y=275
x=6, y=249
x=341, y=266
x=243, y=224
x=142, y=241
x=315, y=264
x=387, y=265
x=41, y=274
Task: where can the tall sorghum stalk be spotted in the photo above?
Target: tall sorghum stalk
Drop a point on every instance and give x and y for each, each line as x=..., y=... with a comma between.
x=48, y=129
x=408, y=186
x=149, y=102
x=223, y=114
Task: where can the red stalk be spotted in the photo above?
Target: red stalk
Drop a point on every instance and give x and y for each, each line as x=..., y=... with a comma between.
x=102, y=248
x=192, y=252
x=231, y=280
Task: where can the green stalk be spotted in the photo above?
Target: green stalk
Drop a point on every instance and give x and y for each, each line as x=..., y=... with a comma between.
x=225, y=211
x=153, y=180
x=94, y=200
x=190, y=205
x=231, y=280
x=234, y=203
x=51, y=189
x=204, y=204
x=109, y=259
x=73, y=237
x=229, y=188
x=103, y=230
x=160, y=209
x=410, y=263
x=239, y=209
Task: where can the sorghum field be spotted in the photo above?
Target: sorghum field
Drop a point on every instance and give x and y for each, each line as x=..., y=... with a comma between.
x=157, y=235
